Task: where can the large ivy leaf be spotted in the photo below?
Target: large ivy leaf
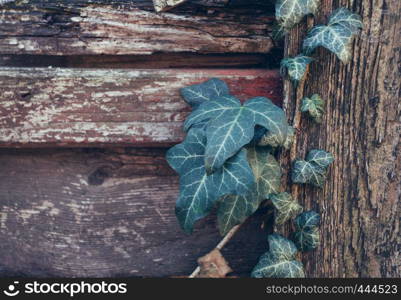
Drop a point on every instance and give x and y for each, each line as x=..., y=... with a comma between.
x=314, y=106
x=336, y=36
x=198, y=191
x=279, y=261
x=209, y=90
x=320, y=157
x=233, y=210
x=306, y=172
x=290, y=12
x=231, y=125
x=286, y=206
x=296, y=66
x=306, y=236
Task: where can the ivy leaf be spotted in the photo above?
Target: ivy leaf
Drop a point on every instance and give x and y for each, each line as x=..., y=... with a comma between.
x=233, y=210
x=313, y=170
x=307, y=220
x=337, y=36
x=281, y=247
x=272, y=140
x=209, y=90
x=314, y=106
x=266, y=170
x=231, y=125
x=306, y=172
x=272, y=267
x=346, y=17
x=290, y=12
x=198, y=191
x=280, y=261
x=296, y=66
x=320, y=157
x=306, y=236
x=286, y=206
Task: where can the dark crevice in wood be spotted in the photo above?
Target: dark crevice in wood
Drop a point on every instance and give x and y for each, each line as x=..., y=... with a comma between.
x=155, y=61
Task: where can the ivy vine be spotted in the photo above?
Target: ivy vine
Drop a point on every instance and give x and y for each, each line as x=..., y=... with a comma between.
x=228, y=158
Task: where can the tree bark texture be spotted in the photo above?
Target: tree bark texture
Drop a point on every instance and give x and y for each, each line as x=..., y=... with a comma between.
x=360, y=202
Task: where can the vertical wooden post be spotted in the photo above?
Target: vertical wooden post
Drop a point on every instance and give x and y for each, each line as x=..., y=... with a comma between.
x=360, y=203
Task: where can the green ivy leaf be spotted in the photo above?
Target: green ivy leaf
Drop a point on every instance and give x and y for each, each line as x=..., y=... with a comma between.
x=346, y=17
x=296, y=66
x=266, y=170
x=209, y=90
x=306, y=172
x=233, y=210
x=307, y=220
x=286, y=206
x=272, y=140
x=279, y=261
x=290, y=12
x=320, y=157
x=336, y=36
x=231, y=125
x=313, y=170
x=314, y=106
x=198, y=191
x=306, y=236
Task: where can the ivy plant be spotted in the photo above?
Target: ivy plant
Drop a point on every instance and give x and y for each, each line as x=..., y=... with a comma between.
x=227, y=160
x=217, y=162
x=314, y=107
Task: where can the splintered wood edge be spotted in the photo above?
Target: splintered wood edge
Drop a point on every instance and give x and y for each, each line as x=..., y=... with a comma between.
x=165, y=5
x=42, y=107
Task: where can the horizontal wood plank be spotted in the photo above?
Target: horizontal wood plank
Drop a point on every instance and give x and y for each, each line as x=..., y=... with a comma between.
x=71, y=28
x=101, y=213
x=80, y=107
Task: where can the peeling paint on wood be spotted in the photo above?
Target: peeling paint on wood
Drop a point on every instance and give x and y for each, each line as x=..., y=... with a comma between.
x=77, y=107
x=103, y=213
x=163, y=5
x=59, y=29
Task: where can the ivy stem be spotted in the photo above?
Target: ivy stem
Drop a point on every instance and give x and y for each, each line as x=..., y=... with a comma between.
x=219, y=246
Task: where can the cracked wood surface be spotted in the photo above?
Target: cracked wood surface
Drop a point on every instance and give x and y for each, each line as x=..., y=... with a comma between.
x=103, y=213
x=360, y=202
x=132, y=28
x=80, y=107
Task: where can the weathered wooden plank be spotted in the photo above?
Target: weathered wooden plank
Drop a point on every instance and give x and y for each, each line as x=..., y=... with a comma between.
x=68, y=28
x=78, y=107
x=103, y=213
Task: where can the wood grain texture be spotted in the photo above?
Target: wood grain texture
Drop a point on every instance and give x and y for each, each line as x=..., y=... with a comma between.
x=360, y=203
x=103, y=213
x=78, y=107
x=131, y=28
